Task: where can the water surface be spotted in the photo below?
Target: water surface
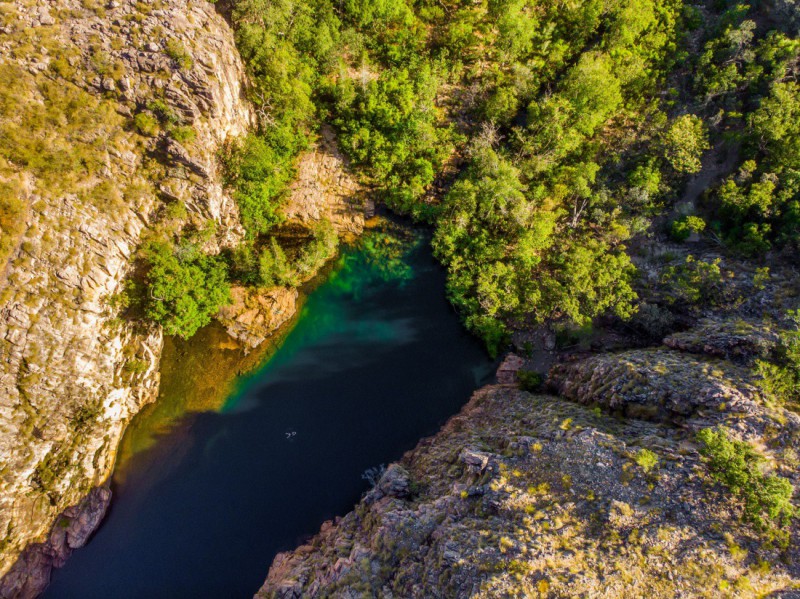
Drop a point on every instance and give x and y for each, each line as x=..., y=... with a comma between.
x=205, y=499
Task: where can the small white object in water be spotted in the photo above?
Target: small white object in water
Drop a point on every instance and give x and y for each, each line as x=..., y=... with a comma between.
x=290, y=434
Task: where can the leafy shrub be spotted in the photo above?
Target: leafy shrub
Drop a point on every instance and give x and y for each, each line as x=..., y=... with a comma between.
x=684, y=143
x=183, y=133
x=320, y=248
x=243, y=263
x=178, y=53
x=767, y=498
x=389, y=127
x=780, y=378
x=185, y=288
x=529, y=380
x=260, y=168
x=646, y=459
x=163, y=112
x=685, y=226
x=653, y=321
x=694, y=281
x=146, y=124
x=273, y=268
x=12, y=209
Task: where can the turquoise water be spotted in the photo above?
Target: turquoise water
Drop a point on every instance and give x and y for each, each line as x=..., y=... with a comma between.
x=376, y=360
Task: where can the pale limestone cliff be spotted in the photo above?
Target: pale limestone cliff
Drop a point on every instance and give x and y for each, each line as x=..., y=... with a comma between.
x=72, y=373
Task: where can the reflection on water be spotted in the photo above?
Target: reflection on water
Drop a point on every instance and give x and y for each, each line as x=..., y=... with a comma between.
x=197, y=375
x=225, y=471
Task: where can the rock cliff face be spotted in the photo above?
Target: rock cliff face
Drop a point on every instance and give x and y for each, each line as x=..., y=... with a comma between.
x=325, y=189
x=254, y=315
x=72, y=373
x=524, y=495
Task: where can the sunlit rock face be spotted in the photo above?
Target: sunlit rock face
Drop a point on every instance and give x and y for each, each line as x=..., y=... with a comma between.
x=72, y=373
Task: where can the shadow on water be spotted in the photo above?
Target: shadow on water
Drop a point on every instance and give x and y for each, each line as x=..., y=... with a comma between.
x=211, y=489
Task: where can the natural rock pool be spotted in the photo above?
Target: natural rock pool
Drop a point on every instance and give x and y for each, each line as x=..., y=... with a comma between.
x=203, y=500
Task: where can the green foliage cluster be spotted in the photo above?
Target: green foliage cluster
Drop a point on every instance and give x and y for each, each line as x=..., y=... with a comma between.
x=535, y=227
x=530, y=381
x=260, y=168
x=780, y=377
x=747, y=82
x=273, y=268
x=185, y=287
x=176, y=51
x=767, y=498
x=158, y=115
x=685, y=142
x=693, y=282
x=571, y=147
x=363, y=66
x=646, y=459
x=317, y=250
x=267, y=264
x=683, y=227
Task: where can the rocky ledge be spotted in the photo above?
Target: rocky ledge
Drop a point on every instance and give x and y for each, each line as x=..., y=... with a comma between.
x=537, y=495
x=253, y=315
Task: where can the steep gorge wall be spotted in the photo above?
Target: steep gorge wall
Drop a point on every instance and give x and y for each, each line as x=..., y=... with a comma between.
x=72, y=373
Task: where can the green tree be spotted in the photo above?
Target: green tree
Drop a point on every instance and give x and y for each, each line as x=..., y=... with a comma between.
x=767, y=498
x=684, y=143
x=273, y=268
x=685, y=226
x=185, y=288
x=593, y=90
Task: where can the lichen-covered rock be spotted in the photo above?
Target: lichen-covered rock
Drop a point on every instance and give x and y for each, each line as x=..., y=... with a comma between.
x=733, y=339
x=72, y=373
x=253, y=314
x=529, y=496
x=655, y=384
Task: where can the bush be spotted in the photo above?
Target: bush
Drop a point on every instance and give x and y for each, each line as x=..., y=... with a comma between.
x=685, y=142
x=185, y=288
x=694, y=281
x=685, y=226
x=273, y=268
x=781, y=379
x=653, y=321
x=12, y=210
x=529, y=380
x=146, y=124
x=646, y=459
x=320, y=248
x=767, y=498
x=163, y=112
x=260, y=168
x=178, y=53
x=183, y=133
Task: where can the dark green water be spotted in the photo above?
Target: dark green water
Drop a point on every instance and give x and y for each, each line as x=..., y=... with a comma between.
x=376, y=360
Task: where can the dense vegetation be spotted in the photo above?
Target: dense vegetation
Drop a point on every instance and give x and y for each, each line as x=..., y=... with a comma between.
x=539, y=138
x=185, y=287
x=572, y=126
